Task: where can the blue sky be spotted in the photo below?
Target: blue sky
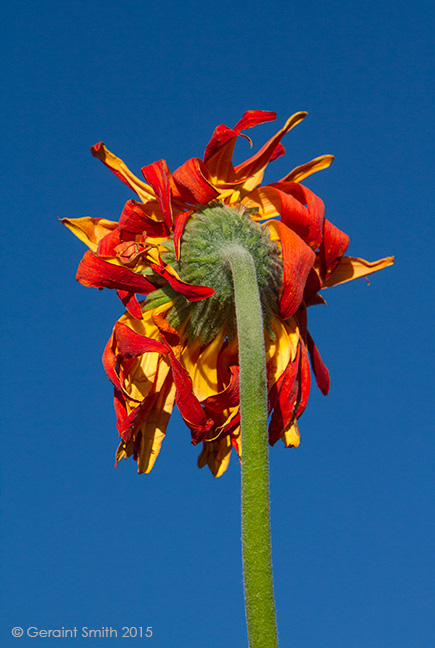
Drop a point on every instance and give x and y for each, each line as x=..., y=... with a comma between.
x=352, y=509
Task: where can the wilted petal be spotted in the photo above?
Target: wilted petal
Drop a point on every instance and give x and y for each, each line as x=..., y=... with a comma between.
x=298, y=259
x=352, y=268
x=283, y=396
x=194, y=183
x=94, y=272
x=158, y=176
x=131, y=344
x=260, y=160
x=121, y=170
x=320, y=370
x=130, y=302
x=138, y=218
x=90, y=230
x=301, y=172
x=334, y=245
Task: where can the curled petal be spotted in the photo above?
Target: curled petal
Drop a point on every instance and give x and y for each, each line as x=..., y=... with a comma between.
x=253, y=118
x=90, y=230
x=180, y=222
x=320, y=371
x=304, y=380
x=231, y=425
x=298, y=260
x=312, y=287
x=130, y=302
x=137, y=218
x=189, y=406
x=191, y=291
x=334, y=245
x=221, y=146
x=131, y=344
x=216, y=455
x=292, y=436
x=283, y=396
x=219, y=151
x=228, y=397
x=107, y=245
x=120, y=169
x=109, y=364
x=193, y=182
x=96, y=273
x=350, y=268
x=307, y=223
x=158, y=176
x=301, y=172
x=153, y=429
x=260, y=160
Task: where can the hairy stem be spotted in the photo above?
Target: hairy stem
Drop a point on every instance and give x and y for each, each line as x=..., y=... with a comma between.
x=256, y=541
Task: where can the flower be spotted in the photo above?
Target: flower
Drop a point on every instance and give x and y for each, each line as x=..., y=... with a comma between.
x=179, y=345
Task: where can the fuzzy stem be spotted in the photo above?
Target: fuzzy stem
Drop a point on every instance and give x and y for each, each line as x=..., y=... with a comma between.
x=256, y=541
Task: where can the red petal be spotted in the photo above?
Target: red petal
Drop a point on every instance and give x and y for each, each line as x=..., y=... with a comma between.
x=222, y=135
x=221, y=145
x=109, y=364
x=121, y=171
x=298, y=260
x=192, y=180
x=320, y=371
x=228, y=397
x=157, y=174
x=188, y=404
x=335, y=244
x=278, y=152
x=130, y=302
x=304, y=380
x=312, y=286
x=136, y=416
x=131, y=344
x=133, y=219
x=264, y=155
x=108, y=243
x=308, y=224
x=95, y=272
x=120, y=409
x=190, y=291
x=287, y=388
x=254, y=118
x=180, y=222
x=230, y=426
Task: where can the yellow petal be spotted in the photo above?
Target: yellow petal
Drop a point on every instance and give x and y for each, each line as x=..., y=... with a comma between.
x=301, y=172
x=154, y=429
x=89, y=230
x=115, y=164
x=201, y=365
x=254, y=167
x=216, y=455
x=266, y=200
x=283, y=349
x=292, y=436
x=351, y=268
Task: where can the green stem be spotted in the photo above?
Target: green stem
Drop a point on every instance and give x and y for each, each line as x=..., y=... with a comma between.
x=256, y=542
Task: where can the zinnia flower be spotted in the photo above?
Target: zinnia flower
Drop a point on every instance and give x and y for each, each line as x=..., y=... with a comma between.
x=179, y=345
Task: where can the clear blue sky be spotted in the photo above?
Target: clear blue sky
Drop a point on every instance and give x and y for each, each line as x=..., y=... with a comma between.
x=352, y=508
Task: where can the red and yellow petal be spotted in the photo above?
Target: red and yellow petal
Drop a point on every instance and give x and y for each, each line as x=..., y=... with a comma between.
x=120, y=169
x=254, y=167
x=350, y=268
x=298, y=260
x=90, y=230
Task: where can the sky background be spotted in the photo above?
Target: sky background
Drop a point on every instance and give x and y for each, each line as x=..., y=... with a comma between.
x=352, y=508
